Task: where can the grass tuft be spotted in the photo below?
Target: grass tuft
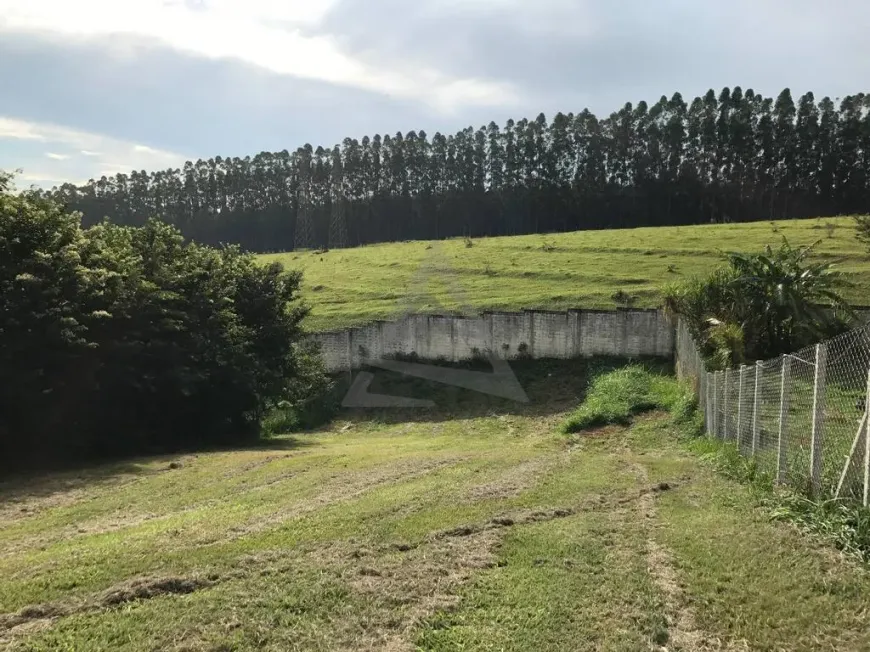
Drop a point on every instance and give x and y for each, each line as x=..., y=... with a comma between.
x=616, y=396
x=731, y=463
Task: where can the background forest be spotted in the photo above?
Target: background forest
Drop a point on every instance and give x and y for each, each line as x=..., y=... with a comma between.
x=735, y=156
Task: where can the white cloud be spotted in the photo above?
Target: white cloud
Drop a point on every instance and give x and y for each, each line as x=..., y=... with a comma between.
x=44, y=179
x=19, y=130
x=102, y=155
x=265, y=33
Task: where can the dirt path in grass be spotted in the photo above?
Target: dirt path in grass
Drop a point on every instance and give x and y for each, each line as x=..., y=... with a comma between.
x=684, y=635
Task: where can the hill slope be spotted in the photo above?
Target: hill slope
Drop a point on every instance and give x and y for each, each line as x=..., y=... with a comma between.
x=472, y=526
x=581, y=269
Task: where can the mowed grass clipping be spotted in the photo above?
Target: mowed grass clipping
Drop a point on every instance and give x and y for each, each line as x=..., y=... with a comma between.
x=583, y=269
x=477, y=525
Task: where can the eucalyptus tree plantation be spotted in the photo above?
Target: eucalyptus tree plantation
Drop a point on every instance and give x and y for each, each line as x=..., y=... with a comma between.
x=732, y=156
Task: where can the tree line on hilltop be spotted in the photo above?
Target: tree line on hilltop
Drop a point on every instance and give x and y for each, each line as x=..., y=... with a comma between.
x=738, y=156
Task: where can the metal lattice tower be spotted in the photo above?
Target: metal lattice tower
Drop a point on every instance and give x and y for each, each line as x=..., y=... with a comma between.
x=338, y=224
x=304, y=227
x=338, y=221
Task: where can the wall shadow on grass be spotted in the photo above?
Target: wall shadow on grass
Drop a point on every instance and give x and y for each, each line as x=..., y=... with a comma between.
x=552, y=386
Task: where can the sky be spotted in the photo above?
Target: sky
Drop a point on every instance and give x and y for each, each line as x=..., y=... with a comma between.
x=96, y=87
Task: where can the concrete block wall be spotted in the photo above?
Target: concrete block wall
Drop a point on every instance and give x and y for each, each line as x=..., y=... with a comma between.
x=509, y=332
x=536, y=333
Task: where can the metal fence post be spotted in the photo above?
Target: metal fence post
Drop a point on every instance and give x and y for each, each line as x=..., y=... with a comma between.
x=740, y=383
x=705, y=388
x=867, y=446
x=715, y=403
x=759, y=370
x=707, y=402
x=783, y=418
x=725, y=407
x=818, y=418
x=711, y=380
x=712, y=403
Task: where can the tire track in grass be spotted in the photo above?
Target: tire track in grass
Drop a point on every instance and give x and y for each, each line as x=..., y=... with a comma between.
x=683, y=632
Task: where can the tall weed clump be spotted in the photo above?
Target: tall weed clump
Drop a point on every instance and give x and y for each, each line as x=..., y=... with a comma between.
x=615, y=396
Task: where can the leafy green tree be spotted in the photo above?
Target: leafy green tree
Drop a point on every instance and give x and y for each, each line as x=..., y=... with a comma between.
x=787, y=301
x=43, y=327
x=827, y=146
x=724, y=138
x=741, y=128
x=121, y=339
x=767, y=158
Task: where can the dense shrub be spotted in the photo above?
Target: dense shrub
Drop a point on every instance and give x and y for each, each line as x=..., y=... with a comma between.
x=120, y=339
x=759, y=306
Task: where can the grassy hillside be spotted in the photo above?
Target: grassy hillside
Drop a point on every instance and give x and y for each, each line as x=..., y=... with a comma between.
x=581, y=269
x=475, y=526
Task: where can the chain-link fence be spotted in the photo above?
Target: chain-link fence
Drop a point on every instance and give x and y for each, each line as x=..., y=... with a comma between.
x=802, y=416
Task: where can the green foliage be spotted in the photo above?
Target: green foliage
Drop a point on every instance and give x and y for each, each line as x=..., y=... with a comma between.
x=862, y=228
x=761, y=305
x=616, y=396
x=5, y=181
x=120, y=339
x=789, y=297
x=730, y=462
x=698, y=299
x=685, y=413
x=319, y=400
x=727, y=344
x=845, y=524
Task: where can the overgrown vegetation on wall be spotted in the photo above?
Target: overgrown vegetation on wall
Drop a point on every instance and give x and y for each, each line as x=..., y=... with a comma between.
x=118, y=339
x=758, y=306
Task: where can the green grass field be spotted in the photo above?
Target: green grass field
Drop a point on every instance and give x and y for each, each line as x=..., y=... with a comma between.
x=582, y=269
x=473, y=526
